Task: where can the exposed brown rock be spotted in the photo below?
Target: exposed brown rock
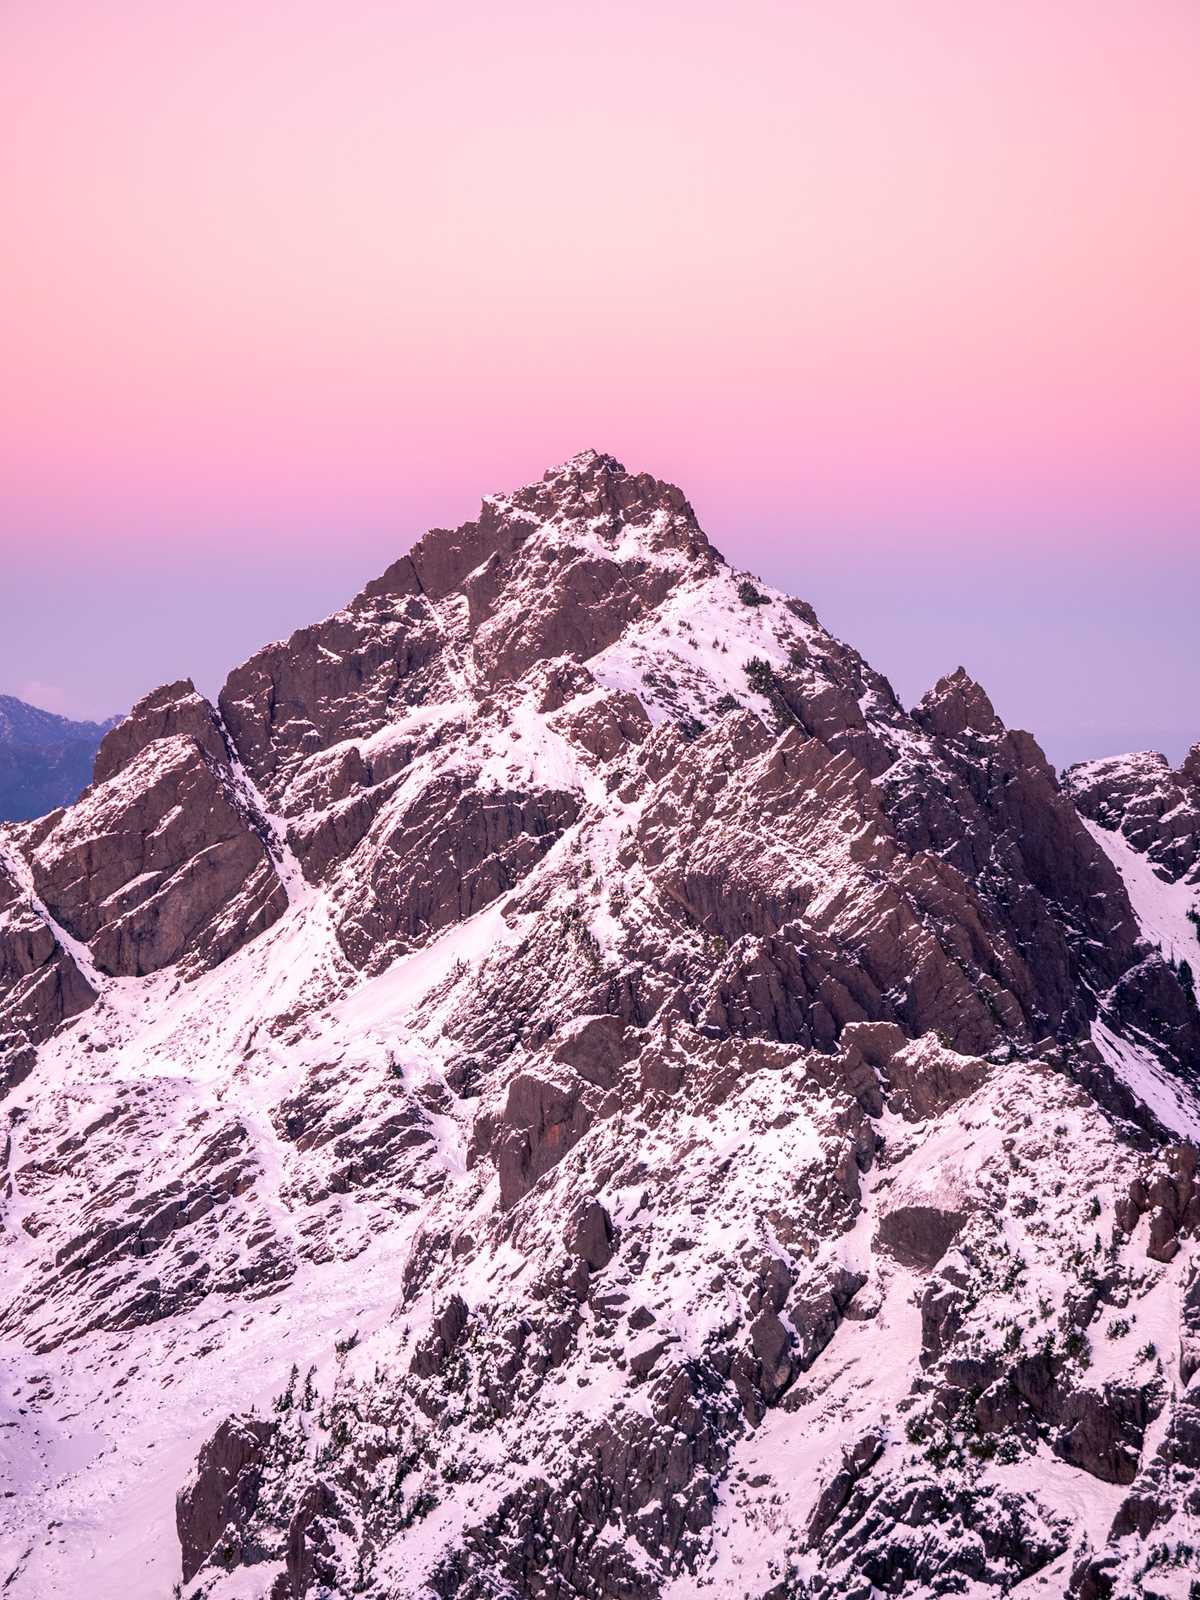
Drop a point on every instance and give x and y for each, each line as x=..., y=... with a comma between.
x=857, y=1461
x=1172, y=1197
x=344, y=678
x=543, y=1117
x=919, y=1236
x=159, y=864
x=40, y=984
x=448, y=1328
x=986, y=801
x=441, y=857
x=606, y=725
x=213, y=1509
x=743, y=834
x=774, y=1008
x=175, y=710
x=590, y=1235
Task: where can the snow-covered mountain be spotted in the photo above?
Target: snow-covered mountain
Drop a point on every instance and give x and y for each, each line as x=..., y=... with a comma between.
x=560, y=1085
x=45, y=760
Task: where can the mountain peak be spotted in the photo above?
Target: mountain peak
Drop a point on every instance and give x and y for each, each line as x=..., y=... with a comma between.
x=957, y=704
x=170, y=710
x=583, y=463
x=594, y=491
x=591, y=494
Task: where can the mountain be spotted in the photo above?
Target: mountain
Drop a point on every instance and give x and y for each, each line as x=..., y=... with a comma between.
x=559, y=1084
x=45, y=760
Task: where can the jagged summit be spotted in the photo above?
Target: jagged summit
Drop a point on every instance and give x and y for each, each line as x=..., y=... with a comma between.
x=593, y=491
x=585, y=463
x=588, y=504
x=560, y=1084
x=594, y=482
x=957, y=704
x=172, y=710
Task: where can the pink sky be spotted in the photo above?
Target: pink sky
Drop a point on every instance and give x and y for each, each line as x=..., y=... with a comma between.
x=288, y=281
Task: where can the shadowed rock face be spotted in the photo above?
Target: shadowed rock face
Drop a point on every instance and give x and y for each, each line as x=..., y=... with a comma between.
x=1156, y=808
x=1001, y=819
x=903, y=939
x=919, y=1236
x=349, y=676
x=162, y=861
x=213, y=1509
x=656, y=1147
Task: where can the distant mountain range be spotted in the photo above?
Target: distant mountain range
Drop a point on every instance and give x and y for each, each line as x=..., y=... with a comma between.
x=45, y=760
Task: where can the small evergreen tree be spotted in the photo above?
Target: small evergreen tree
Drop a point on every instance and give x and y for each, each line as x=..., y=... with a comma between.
x=1186, y=978
x=760, y=676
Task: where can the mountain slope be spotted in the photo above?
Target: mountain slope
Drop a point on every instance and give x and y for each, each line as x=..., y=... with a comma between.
x=45, y=760
x=561, y=1085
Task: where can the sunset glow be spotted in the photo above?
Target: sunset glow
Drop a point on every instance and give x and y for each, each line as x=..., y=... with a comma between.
x=297, y=278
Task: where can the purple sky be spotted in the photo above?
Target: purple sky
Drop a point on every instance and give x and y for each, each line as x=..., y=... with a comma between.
x=904, y=297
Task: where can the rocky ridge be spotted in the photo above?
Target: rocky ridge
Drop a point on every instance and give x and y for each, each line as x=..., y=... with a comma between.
x=559, y=1084
x=1154, y=807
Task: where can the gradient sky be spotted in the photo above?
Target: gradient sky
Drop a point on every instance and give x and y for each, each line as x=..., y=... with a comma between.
x=902, y=292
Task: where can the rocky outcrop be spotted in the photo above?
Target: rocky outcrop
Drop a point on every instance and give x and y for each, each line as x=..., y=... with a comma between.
x=1154, y=807
x=142, y=1242
x=543, y=1116
x=919, y=1535
x=41, y=985
x=1170, y=1195
x=162, y=863
x=171, y=712
x=440, y=856
x=986, y=801
x=919, y=1236
x=1154, y=1525
x=344, y=678
x=212, y=1511
x=742, y=838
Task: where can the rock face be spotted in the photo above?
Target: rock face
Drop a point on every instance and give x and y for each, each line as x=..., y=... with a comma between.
x=164, y=860
x=40, y=984
x=214, y=1508
x=172, y=712
x=1155, y=808
x=560, y=1084
x=162, y=864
